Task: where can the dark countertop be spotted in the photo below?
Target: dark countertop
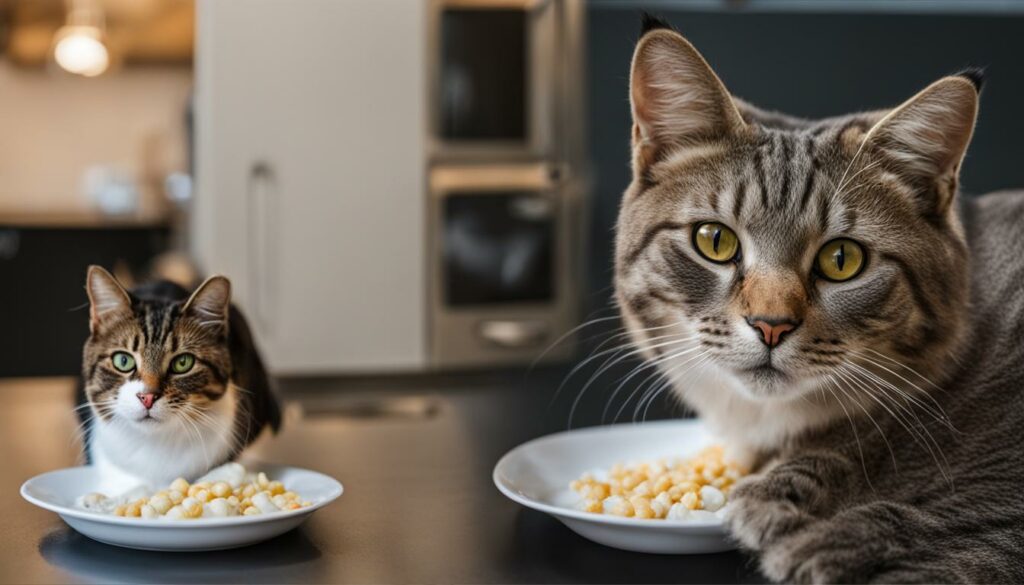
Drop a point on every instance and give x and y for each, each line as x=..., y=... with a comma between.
x=419, y=505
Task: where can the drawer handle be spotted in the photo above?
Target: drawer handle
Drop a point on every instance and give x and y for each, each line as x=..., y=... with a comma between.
x=514, y=334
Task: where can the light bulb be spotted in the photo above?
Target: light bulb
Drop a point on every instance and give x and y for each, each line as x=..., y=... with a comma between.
x=80, y=50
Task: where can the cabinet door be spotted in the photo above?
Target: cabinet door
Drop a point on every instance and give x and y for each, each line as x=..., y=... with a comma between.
x=310, y=174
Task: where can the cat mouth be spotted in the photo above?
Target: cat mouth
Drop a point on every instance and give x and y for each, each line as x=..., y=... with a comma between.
x=768, y=372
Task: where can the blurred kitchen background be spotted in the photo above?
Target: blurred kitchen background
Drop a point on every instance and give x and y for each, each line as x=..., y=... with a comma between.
x=404, y=188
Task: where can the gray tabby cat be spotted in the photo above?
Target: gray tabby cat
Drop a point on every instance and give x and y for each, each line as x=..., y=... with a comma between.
x=819, y=293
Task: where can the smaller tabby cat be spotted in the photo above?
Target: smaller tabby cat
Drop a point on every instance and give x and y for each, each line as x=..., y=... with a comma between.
x=172, y=384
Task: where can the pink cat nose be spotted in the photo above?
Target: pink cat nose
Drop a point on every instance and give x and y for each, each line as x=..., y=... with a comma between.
x=147, y=399
x=771, y=329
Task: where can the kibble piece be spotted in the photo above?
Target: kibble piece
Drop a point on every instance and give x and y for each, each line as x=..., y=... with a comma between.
x=160, y=503
x=221, y=489
x=93, y=500
x=263, y=502
x=617, y=506
x=690, y=500
x=661, y=505
x=217, y=508
x=712, y=498
x=678, y=512
x=180, y=484
x=192, y=507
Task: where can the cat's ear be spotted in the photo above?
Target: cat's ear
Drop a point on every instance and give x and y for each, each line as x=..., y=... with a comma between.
x=926, y=138
x=675, y=96
x=211, y=301
x=107, y=298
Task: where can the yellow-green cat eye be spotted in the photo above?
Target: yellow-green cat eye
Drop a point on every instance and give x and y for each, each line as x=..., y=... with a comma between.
x=123, y=361
x=840, y=260
x=716, y=242
x=183, y=363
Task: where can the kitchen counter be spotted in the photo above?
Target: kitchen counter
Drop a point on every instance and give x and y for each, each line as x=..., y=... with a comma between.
x=419, y=505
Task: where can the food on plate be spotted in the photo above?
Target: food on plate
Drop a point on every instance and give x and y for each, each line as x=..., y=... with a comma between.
x=228, y=490
x=693, y=489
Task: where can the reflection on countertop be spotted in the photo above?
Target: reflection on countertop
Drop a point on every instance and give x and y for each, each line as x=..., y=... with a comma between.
x=419, y=506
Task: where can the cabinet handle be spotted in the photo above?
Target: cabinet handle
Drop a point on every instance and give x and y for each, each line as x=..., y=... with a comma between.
x=262, y=187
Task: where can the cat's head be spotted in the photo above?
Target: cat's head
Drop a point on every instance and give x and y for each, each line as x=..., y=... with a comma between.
x=784, y=253
x=156, y=362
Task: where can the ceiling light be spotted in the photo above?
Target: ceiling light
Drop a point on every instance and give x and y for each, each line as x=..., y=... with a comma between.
x=80, y=50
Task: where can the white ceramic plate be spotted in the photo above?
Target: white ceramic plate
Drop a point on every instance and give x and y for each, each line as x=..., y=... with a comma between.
x=537, y=475
x=57, y=491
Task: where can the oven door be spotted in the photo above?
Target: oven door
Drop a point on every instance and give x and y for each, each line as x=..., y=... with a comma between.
x=500, y=255
x=493, y=78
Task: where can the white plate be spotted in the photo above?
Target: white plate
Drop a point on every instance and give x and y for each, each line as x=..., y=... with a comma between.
x=57, y=491
x=537, y=475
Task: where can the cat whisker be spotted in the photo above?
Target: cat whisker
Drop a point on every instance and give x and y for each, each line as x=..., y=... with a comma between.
x=917, y=429
x=656, y=376
x=934, y=410
x=647, y=364
x=569, y=333
x=934, y=402
x=190, y=427
x=608, y=364
x=853, y=426
x=677, y=381
x=844, y=376
x=595, y=354
x=660, y=382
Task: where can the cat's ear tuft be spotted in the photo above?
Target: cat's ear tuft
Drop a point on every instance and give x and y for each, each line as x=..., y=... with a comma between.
x=649, y=22
x=925, y=139
x=975, y=75
x=107, y=299
x=676, y=98
x=211, y=302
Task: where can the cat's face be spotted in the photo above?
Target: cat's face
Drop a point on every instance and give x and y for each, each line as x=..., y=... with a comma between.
x=784, y=254
x=156, y=366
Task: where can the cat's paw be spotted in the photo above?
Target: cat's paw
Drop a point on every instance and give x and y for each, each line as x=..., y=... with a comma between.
x=792, y=564
x=757, y=517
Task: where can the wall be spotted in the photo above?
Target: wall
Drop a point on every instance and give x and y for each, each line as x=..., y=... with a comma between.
x=53, y=126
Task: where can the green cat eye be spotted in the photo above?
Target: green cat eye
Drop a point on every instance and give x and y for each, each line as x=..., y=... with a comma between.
x=716, y=242
x=183, y=363
x=123, y=361
x=840, y=260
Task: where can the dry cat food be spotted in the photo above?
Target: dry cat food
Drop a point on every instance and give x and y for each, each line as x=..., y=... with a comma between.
x=694, y=489
x=228, y=490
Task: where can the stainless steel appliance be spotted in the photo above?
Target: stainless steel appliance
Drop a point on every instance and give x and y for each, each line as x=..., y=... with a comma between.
x=393, y=185
x=505, y=178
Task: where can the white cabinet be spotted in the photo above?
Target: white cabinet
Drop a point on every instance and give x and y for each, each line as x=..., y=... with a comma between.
x=310, y=176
